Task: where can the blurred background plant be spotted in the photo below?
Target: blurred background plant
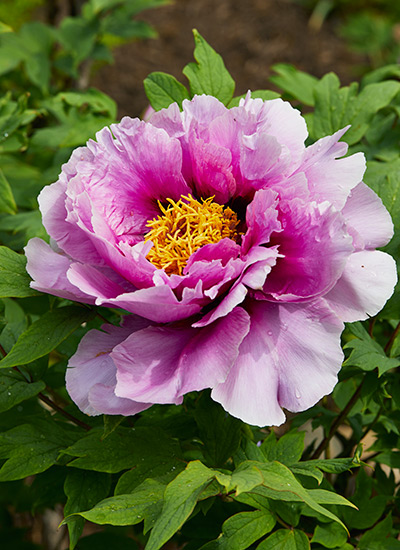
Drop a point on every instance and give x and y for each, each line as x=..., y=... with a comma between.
x=370, y=27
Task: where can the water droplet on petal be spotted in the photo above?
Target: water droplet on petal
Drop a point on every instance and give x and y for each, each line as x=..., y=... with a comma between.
x=297, y=394
x=269, y=333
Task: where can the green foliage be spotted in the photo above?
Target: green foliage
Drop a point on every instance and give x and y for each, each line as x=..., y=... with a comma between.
x=190, y=473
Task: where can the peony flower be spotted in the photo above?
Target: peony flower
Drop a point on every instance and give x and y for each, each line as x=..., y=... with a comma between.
x=239, y=251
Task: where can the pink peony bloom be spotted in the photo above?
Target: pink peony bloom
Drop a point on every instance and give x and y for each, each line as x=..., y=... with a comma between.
x=239, y=251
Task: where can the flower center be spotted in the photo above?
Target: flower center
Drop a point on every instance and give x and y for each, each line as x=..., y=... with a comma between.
x=186, y=226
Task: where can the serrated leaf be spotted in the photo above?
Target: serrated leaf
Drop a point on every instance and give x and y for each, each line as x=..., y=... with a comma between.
x=7, y=201
x=14, y=389
x=337, y=107
x=208, y=75
x=367, y=354
x=46, y=334
x=285, y=539
x=31, y=449
x=83, y=491
x=162, y=89
x=180, y=498
x=242, y=530
x=14, y=280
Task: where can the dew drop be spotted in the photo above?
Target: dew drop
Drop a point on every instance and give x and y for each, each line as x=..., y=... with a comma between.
x=269, y=333
x=297, y=394
x=5, y=134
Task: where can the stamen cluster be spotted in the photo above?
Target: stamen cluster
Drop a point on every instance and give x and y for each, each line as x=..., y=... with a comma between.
x=184, y=227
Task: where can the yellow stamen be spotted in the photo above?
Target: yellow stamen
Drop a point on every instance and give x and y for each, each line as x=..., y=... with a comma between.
x=184, y=227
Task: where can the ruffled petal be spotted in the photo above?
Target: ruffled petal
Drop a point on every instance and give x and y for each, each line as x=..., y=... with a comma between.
x=365, y=214
x=330, y=177
x=368, y=280
x=160, y=364
x=290, y=359
x=314, y=245
x=91, y=372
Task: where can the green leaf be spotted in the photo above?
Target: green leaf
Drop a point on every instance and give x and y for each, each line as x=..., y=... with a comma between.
x=287, y=450
x=296, y=83
x=208, y=75
x=7, y=201
x=162, y=89
x=140, y=448
x=337, y=107
x=111, y=422
x=243, y=479
x=83, y=491
x=179, y=501
x=285, y=539
x=144, y=503
x=31, y=449
x=367, y=354
x=14, y=280
x=378, y=537
x=219, y=431
x=97, y=100
x=330, y=535
x=14, y=389
x=106, y=540
x=390, y=458
x=46, y=334
x=242, y=530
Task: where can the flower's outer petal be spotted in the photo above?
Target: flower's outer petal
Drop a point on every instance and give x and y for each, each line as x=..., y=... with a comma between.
x=329, y=177
x=199, y=112
x=160, y=364
x=290, y=358
x=48, y=270
x=91, y=372
x=367, y=283
x=69, y=237
x=315, y=245
x=365, y=213
x=279, y=119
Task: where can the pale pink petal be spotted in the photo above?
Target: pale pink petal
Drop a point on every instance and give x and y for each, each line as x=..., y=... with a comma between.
x=367, y=283
x=91, y=372
x=261, y=219
x=48, y=270
x=330, y=177
x=290, y=359
x=160, y=364
x=365, y=213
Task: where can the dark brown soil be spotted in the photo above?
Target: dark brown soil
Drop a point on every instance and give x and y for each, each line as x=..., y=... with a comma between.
x=251, y=35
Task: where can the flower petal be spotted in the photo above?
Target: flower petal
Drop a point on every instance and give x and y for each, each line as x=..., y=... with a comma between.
x=314, y=244
x=91, y=372
x=329, y=177
x=367, y=283
x=160, y=364
x=365, y=213
x=48, y=270
x=290, y=358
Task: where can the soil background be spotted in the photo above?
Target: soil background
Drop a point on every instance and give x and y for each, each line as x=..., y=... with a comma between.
x=251, y=35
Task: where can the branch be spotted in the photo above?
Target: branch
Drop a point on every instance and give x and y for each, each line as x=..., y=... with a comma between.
x=339, y=420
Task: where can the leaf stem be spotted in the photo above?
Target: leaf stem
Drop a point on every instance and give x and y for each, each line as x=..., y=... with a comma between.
x=339, y=420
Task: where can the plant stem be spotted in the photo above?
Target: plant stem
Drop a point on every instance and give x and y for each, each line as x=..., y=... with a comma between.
x=66, y=414
x=339, y=420
x=392, y=338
